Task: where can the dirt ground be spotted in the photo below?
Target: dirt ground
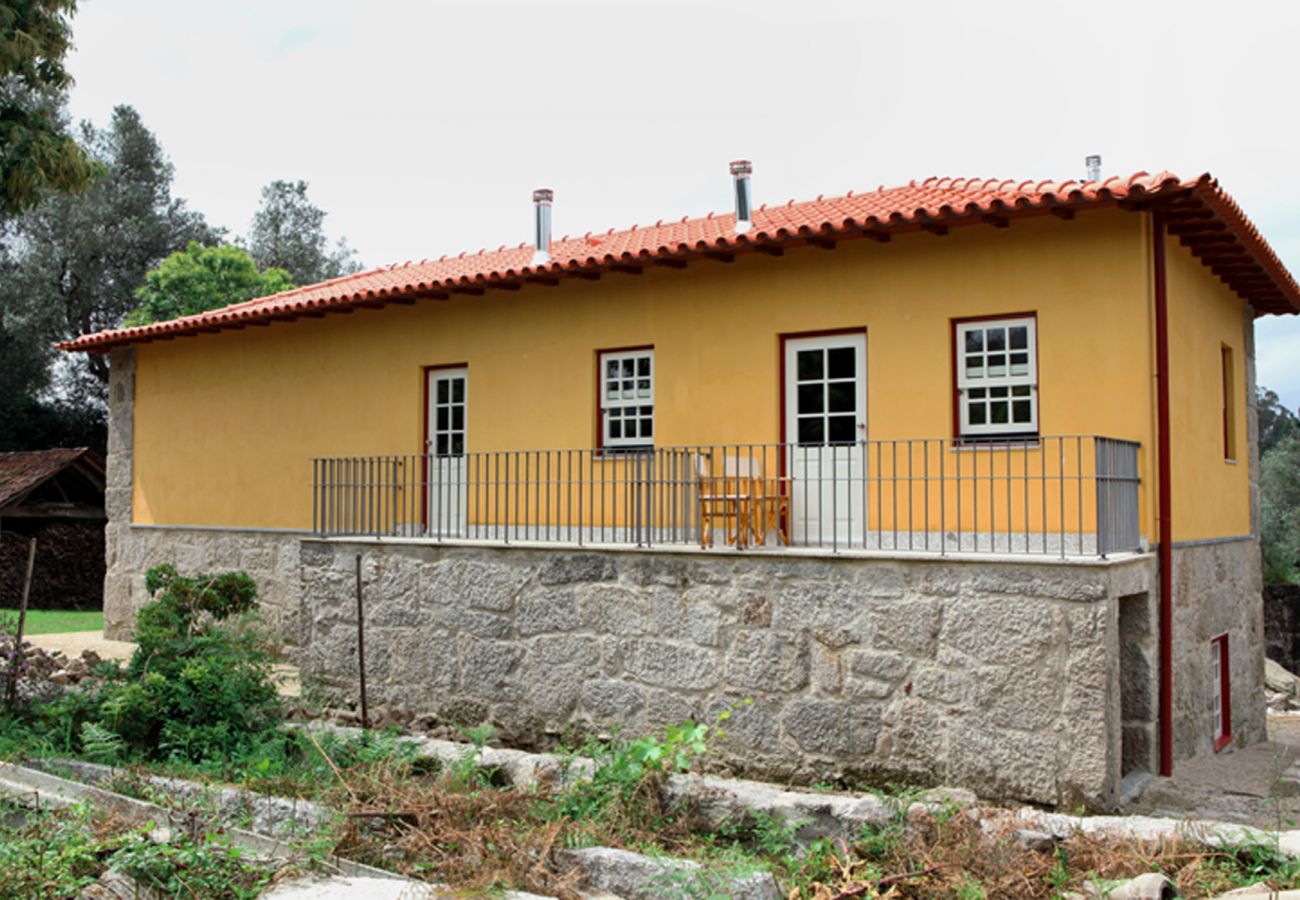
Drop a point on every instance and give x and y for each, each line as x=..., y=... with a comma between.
x=1257, y=785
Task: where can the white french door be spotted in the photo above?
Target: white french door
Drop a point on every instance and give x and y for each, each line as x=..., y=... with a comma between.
x=825, y=427
x=447, y=490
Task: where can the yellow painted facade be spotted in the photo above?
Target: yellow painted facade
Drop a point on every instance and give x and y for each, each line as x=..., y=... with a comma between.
x=226, y=424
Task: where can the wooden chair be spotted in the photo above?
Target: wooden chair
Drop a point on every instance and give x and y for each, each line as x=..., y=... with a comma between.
x=721, y=496
x=734, y=490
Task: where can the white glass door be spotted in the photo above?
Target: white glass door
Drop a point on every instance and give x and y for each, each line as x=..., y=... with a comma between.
x=825, y=427
x=447, y=490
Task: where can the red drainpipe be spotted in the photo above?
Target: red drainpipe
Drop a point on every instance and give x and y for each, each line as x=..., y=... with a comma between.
x=1163, y=478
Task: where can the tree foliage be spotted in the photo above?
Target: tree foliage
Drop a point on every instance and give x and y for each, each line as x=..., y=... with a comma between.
x=200, y=278
x=72, y=265
x=1276, y=422
x=1279, y=488
x=37, y=152
x=287, y=233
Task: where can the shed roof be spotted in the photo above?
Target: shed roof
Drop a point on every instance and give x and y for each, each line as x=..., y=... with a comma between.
x=1199, y=212
x=21, y=472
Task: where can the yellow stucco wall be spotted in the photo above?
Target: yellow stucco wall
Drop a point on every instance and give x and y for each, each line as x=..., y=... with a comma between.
x=1211, y=495
x=226, y=424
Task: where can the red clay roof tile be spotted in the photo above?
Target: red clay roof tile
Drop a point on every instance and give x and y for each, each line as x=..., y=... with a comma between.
x=1198, y=211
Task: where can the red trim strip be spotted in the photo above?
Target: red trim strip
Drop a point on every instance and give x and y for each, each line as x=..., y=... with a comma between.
x=598, y=387
x=1164, y=479
x=1221, y=645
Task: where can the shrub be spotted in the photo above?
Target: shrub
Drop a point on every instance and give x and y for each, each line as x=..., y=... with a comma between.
x=198, y=686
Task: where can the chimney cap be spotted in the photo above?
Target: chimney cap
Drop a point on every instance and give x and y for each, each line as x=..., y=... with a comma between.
x=741, y=167
x=543, y=195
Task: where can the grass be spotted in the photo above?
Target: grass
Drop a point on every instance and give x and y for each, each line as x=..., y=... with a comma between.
x=54, y=621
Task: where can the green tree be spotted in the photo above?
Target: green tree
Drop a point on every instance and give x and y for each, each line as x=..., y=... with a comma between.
x=1279, y=527
x=287, y=233
x=1276, y=422
x=37, y=153
x=72, y=264
x=200, y=278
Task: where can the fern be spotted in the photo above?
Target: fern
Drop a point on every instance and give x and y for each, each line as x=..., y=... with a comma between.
x=100, y=744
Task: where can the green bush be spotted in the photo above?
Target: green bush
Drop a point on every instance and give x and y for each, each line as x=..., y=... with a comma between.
x=198, y=686
x=1279, y=531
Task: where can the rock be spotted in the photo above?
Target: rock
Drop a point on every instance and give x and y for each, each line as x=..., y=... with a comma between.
x=1151, y=886
x=91, y=658
x=161, y=835
x=1039, y=841
x=425, y=722
x=62, y=676
x=634, y=876
x=1280, y=680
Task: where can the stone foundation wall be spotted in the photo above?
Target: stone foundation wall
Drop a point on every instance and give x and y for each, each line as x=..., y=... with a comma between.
x=1217, y=589
x=270, y=557
x=1000, y=677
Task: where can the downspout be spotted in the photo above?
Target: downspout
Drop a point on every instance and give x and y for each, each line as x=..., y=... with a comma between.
x=1165, y=552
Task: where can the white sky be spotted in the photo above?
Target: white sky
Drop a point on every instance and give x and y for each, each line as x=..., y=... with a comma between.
x=424, y=126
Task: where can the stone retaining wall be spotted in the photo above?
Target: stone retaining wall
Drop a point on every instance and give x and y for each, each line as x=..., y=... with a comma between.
x=1001, y=677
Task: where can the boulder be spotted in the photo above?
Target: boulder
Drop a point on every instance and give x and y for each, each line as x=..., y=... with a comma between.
x=1280, y=680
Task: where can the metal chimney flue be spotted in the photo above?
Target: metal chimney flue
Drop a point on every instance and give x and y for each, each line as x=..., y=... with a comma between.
x=542, y=198
x=1094, y=167
x=741, y=169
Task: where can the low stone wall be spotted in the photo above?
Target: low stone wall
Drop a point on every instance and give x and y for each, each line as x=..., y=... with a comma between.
x=1001, y=677
x=270, y=557
x=1282, y=624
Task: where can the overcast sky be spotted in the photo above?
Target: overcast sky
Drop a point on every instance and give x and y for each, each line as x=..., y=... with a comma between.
x=423, y=126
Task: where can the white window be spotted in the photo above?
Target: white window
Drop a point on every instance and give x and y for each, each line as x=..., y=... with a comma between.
x=627, y=398
x=997, y=377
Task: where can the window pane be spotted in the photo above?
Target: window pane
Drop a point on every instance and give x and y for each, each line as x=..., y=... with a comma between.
x=810, y=398
x=977, y=393
x=612, y=391
x=442, y=419
x=977, y=414
x=647, y=428
x=442, y=390
x=997, y=339
x=458, y=417
x=974, y=367
x=997, y=365
x=843, y=396
x=809, y=364
x=629, y=428
x=1021, y=390
x=842, y=362
x=628, y=391
x=647, y=410
x=441, y=445
x=843, y=429
x=643, y=366
x=629, y=368
x=1019, y=337
x=997, y=392
x=457, y=444
x=615, y=428
x=643, y=387
x=974, y=340
x=1020, y=411
x=615, y=412
x=1019, y=363
x=998, y=412
x=811, y=430
x=458, y=390
x=611, y=368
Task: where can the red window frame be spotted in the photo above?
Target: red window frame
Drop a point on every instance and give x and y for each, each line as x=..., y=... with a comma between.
x=1223, y=727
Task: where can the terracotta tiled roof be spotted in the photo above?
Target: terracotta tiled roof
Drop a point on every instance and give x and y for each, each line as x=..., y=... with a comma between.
x=22, y=471
x=1197, y=210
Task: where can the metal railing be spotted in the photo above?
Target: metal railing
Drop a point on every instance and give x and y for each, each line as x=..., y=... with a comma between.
x=1060, y=496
